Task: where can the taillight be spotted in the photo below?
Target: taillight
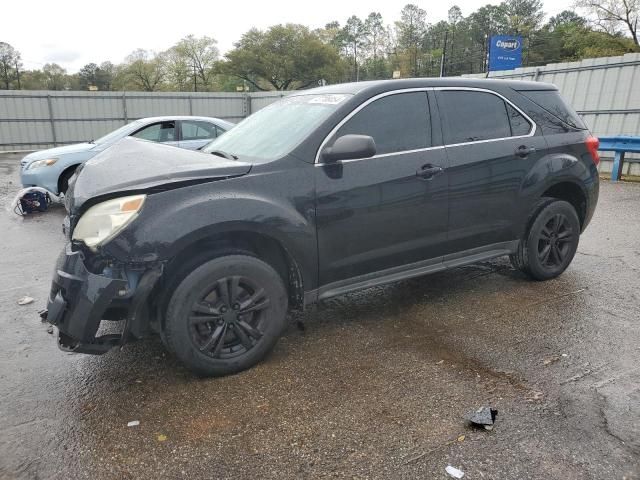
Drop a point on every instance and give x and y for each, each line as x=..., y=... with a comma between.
x=592, y=144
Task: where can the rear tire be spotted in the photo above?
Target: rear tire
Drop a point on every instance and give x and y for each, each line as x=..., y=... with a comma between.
x=226, y=315
x=551, y=241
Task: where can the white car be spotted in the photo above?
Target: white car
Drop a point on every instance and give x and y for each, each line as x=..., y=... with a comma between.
x=52, y=168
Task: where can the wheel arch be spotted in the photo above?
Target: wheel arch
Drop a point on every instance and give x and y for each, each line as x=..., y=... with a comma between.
x=67, y=169
x=572, y=193
x=200, y=248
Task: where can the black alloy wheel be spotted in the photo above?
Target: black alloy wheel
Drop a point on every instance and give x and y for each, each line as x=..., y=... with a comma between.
x=550, y=242
x=228, y=319
x=225, y=314
x=555, y=241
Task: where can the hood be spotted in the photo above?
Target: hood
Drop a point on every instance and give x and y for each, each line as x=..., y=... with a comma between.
x=56, y=152
x=133, y=165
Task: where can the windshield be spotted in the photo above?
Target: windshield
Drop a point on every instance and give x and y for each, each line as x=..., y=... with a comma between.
x=275, y=130
x=116, y=134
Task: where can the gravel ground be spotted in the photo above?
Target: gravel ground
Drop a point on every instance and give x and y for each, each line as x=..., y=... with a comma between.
x=376, y=385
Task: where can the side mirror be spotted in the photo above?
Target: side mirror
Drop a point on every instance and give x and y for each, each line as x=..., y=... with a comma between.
x=350, y=147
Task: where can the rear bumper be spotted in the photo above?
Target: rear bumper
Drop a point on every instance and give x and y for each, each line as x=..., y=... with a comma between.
x=79, y=299
x=593, y=192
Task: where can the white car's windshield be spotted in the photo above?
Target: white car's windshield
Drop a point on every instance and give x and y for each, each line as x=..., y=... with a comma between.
x=275, y=130
x=120, y=132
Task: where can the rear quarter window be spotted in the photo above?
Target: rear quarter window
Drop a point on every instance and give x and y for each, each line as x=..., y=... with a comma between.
x=552, y=102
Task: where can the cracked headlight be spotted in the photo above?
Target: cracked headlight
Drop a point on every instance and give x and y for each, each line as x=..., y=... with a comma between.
x=103, y=221
x=42, y=163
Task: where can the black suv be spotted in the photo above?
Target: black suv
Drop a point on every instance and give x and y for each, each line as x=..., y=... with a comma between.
x=324, y=192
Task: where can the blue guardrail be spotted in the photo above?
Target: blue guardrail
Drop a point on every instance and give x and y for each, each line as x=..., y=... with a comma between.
x=620, y=144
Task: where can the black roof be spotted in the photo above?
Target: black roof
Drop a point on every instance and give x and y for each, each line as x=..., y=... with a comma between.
x=384, y=85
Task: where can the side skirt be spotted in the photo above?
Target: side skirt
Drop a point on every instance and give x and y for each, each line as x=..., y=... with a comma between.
x=411, y=270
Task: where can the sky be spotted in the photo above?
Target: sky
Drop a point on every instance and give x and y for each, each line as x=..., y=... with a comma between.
x=73, y=33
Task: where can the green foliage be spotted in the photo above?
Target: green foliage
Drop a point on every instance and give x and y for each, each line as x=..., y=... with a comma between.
x=282, y=57
x=614, y=16
x=100, y=77
x=9, y=66
x=194, y=59
x=411, y=31
x=293, y=56
x=145, y=70
x=55, y=77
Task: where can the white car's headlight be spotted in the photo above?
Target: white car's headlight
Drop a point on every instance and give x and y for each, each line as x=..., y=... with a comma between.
x=103, y=221
x=42, y=163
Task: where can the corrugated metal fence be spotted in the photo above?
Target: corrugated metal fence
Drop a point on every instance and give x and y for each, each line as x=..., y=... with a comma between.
x=605, y=91
x=39, y=119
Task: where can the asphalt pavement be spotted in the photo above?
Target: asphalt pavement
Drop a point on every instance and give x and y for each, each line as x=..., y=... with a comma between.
x=376, y=384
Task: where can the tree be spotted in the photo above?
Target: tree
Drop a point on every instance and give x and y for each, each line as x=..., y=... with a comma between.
x=283, y=56
x=523, y=16
x=355, y=36
x=581, y=42
x=376, y=37
x=145, y=69
x=179, y=70
x=9, y=65
x=104, y=76
x=483, y=23
x=201, y=55
x=88, y=76
x=454, y=15
x=55, y=76
x=332, y=34
x=610, y=15
x=411, y=29
x=565, y=18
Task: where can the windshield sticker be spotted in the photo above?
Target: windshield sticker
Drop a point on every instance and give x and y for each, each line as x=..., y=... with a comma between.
x=328, y=99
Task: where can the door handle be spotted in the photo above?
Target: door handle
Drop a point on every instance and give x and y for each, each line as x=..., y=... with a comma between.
x=429, y=171
x=523, y=151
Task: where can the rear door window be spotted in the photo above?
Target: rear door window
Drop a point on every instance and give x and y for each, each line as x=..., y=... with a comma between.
x=470, y=116
x=198, y=130
x=397, y=123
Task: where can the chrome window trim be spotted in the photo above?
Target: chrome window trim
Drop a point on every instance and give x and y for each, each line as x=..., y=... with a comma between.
x=531, y=133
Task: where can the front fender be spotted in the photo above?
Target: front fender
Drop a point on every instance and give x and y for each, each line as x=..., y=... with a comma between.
x=171, y=221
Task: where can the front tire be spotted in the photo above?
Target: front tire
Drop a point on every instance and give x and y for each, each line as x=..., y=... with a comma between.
x=226, y=315
x=551, y=242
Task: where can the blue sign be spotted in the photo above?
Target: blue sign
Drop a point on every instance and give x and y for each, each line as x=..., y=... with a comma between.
x=505, y=52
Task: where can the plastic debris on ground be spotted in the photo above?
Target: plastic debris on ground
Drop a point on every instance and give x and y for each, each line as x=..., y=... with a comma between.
x=454, y=472
x=484, y=417
x=549, y=360
x=133, y=423
x=26, y=300
x=33, y=200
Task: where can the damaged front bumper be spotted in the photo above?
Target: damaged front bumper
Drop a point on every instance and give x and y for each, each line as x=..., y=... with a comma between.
x=79, y=300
